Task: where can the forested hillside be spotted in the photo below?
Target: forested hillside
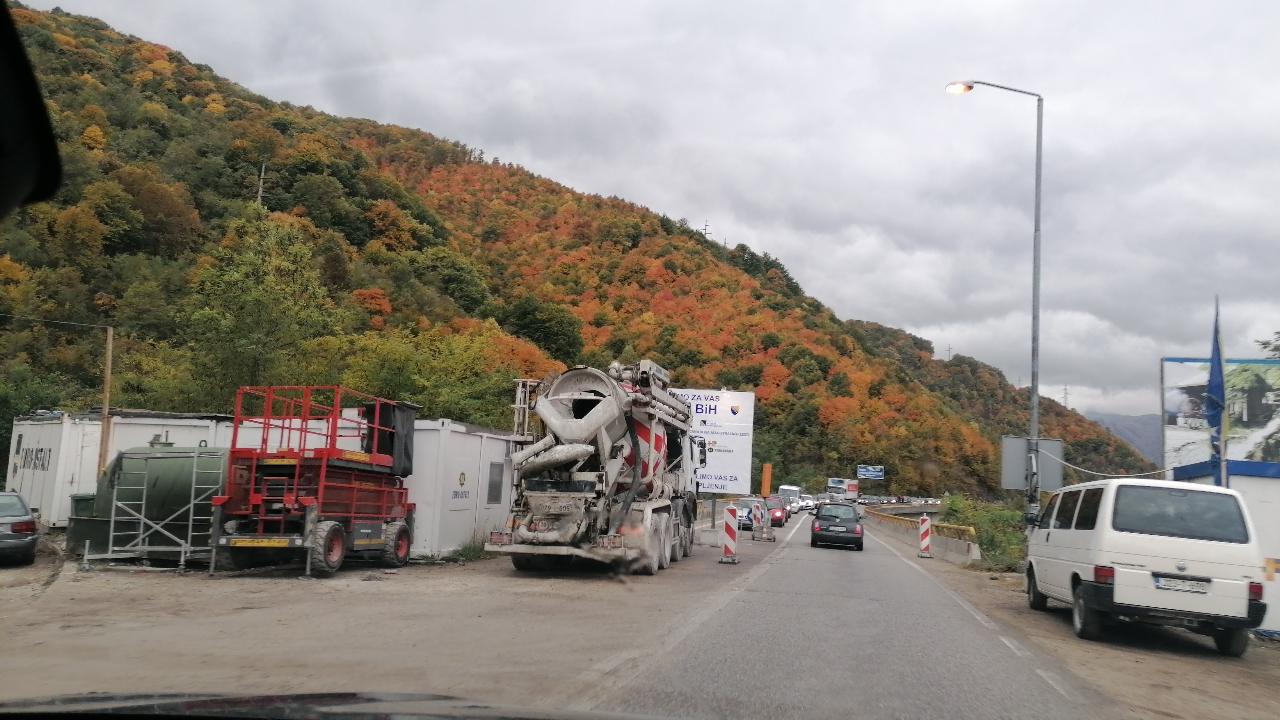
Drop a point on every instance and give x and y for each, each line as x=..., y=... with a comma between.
x=409, y=266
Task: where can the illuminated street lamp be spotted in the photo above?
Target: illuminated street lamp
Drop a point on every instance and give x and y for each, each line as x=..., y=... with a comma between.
x=960, y=88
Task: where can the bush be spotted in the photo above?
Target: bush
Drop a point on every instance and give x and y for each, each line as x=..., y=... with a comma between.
x=999, y=527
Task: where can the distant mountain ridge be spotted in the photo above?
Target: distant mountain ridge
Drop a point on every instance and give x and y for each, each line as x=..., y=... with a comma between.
x=1143, y=432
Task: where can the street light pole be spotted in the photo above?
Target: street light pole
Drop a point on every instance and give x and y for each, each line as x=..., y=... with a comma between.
x=1033, y=449
x=1033, y=479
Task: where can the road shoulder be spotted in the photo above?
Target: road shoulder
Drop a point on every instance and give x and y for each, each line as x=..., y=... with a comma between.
x=1147, y=672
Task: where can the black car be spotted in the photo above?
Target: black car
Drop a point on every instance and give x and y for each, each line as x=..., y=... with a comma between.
x=836, y=524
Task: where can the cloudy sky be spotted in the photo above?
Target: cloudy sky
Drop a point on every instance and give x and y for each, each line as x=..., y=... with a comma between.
x=819, y=132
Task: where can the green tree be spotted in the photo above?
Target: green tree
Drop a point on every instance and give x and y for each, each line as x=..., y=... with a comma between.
x=552, y=327
x=326, y=203
x=455, y=276
x=114, y=208
x=254, y=306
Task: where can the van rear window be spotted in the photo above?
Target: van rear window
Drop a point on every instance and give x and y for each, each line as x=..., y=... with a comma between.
x=1174, y=512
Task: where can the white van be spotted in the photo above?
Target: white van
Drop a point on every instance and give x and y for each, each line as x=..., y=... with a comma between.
x=1154, y=551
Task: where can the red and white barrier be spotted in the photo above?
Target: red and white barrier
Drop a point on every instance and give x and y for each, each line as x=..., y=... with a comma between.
x=730, y=554
x=926, y=534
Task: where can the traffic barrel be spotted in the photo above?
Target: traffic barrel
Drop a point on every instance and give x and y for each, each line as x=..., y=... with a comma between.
x=730, y=554
x=926, y=534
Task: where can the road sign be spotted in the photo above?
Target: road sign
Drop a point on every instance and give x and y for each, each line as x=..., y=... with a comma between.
x=1013, y=463
x=724, y=419
x=870, y=472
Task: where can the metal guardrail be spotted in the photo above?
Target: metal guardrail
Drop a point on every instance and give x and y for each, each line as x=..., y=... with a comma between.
x=959, y=532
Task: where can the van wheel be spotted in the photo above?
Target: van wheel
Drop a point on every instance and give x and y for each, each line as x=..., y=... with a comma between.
x=1035, y=599
x=1086, y=621
x=1231, y=643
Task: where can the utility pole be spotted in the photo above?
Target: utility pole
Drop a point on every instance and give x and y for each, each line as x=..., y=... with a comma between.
x=104, y=441
x=1066, y=397
x=948, y=352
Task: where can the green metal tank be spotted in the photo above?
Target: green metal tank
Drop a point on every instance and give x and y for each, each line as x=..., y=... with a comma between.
x=168, y=474
x=169, y=478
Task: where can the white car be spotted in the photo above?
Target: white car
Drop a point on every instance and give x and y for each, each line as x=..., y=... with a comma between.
x=1155, y=551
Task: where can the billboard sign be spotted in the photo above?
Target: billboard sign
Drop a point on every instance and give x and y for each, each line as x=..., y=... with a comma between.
x=1252, y=412
x=725, y=419
x=870, y=472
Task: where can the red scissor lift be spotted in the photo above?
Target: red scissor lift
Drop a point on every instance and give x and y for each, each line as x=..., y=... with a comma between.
x=316, y=472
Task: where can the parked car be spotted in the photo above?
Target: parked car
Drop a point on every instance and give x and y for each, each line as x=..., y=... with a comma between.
x=777, y=511
x=836, y=523
x=18, y=531
x=1154, y=551
x=745, y=521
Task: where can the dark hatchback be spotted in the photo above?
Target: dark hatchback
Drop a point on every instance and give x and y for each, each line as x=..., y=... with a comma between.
x=836, y=524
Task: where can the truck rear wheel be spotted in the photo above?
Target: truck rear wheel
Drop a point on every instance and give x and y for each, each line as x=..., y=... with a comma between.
x=663, y=528
x=395, y=544
x=675, y=534
x=647, y=563
x=328, y=548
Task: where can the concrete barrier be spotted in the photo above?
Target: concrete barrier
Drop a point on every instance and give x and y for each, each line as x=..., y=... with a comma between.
x=954, y=543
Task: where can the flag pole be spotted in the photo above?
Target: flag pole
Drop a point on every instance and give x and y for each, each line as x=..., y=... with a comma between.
x=1226, y=415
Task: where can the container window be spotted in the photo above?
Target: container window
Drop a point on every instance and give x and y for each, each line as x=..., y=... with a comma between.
x=1087, y=517
x=495, y=484
x=1174, y=512
x=1066, y=510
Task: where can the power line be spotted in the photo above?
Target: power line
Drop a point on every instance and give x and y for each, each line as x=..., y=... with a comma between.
x=1098, y=474
x=53, y=322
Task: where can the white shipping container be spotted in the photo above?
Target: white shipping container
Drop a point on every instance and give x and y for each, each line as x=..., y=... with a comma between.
x=52, y=457
x=461, y=485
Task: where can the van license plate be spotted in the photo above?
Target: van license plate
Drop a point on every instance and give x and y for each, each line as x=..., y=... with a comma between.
x=1191, y=586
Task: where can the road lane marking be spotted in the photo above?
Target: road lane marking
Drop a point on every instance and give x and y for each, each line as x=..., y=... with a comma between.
x=1015, y=646
x=593, y=686
x=1056, y=683
x=977, y=614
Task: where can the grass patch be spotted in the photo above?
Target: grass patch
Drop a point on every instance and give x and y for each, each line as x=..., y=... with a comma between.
x=999, y=526
x=470, y=552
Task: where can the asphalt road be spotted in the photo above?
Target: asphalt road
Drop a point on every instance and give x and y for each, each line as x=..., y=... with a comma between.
x=829, y=632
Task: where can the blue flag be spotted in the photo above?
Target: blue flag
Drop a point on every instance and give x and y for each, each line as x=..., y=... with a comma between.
x=1215, y=397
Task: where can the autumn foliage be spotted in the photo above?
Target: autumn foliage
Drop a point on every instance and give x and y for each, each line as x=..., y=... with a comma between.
x=410, y=266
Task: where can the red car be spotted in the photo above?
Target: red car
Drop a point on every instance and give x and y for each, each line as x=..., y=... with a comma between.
x=776, y=508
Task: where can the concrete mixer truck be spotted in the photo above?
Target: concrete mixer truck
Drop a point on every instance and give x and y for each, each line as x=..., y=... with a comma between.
x=612, y=477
